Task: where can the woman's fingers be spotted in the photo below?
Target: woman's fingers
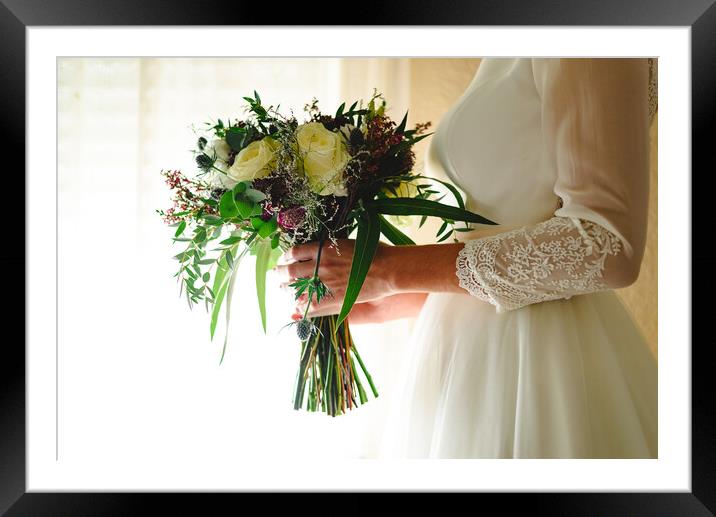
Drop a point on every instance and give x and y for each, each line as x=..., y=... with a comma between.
x=326, y=306
x=290, y=272
x=302, y=251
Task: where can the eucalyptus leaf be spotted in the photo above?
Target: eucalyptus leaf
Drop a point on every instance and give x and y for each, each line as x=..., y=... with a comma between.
x=200, y=235
x=180, y=229
x=230, y=240
x=257, y=209
x=227, y=206
x=257, y=222
x=254, y=195
x=245, y=208
x=184, y=255
x=268, y=227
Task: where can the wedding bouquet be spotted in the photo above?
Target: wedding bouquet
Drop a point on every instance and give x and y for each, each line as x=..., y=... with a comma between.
x=268, y=182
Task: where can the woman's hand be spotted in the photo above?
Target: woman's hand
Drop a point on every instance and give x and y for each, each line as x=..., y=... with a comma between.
x=334, y=269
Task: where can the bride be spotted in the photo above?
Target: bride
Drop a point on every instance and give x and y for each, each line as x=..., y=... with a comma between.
x=521, y=348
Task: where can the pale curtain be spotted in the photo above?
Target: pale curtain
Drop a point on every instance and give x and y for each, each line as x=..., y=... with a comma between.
x=132, y=354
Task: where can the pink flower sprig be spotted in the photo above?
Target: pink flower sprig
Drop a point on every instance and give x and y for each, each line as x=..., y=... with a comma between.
x=187, y=198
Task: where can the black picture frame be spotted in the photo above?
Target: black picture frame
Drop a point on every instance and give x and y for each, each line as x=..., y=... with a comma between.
x=700, y=16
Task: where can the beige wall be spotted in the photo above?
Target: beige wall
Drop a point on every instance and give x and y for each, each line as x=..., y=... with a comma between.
x=435, y=84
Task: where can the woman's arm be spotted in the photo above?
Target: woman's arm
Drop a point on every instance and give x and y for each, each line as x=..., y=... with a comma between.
x=397, y=284
x=428, y=268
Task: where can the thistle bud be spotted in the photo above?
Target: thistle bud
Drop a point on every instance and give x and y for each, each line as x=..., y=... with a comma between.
x=204, y=162
x=304, y=329
x=356, y=137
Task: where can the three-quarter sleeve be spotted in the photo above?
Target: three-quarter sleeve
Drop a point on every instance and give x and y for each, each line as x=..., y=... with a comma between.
x=595, y=123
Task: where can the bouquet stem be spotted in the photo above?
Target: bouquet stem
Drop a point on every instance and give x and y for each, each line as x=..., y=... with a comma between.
x=328, y=370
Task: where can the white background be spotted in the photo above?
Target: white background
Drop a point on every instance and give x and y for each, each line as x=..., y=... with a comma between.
x=140, y=411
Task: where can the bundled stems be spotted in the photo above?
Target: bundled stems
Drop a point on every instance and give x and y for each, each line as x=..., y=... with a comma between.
x=328, y=368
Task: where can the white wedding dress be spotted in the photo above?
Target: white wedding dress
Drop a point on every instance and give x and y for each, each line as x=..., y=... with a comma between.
x=538, y=358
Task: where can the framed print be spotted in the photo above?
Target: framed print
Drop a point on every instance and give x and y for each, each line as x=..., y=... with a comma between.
x=119, y=388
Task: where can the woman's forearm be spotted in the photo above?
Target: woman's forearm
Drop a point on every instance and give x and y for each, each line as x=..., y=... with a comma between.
x=428, y=268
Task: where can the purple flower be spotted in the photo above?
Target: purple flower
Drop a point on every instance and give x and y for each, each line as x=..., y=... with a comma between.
x=268, y=211
x=291, y=218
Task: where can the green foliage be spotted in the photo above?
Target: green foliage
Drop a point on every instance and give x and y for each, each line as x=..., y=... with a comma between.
x=266, y=258
x=393, y=234
x=413, y=206
x=180, y=229
x=227, y=206
x=313, y=286
x=363, y=252
x=219, y=288
x=268, y=227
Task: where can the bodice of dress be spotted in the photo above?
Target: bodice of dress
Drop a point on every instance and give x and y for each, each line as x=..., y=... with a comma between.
x=489, y=144
x=558, y=150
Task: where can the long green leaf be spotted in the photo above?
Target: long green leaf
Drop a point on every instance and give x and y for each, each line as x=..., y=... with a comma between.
x=220, y=290
x=229, y=296
x=230, y=292
x=363, y=252
x=263, y=258
x=393, y=234
x=450, y=187
x=415, y=206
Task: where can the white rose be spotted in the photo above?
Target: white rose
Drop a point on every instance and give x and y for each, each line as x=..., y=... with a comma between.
x=218, y=148
x=221, y=179
x=254, y=161
x=404, y=189
x=324, y=158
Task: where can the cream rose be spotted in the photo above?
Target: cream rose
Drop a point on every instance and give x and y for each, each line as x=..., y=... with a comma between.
x=404, y=189
x=324, y=158
x=254, y=160
x=219, y=148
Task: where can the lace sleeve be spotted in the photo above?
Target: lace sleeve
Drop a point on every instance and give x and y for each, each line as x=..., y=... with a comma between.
x=595, y=123
x=554, y=259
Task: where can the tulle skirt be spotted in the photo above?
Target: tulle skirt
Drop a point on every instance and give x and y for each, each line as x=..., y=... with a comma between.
x=561, y=379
